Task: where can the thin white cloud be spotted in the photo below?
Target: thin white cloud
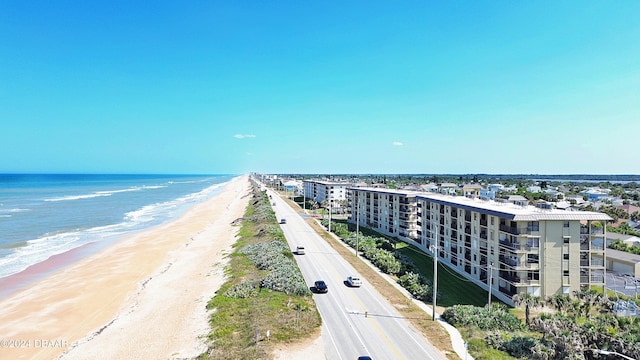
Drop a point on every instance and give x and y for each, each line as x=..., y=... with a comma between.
x=397, y=143
x=243, y=136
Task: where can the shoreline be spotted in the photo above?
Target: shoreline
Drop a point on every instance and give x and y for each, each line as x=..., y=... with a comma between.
x=12, y=283
x=36, y=272
x=145, y=288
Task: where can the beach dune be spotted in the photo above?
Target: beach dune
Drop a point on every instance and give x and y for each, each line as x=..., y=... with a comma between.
x=142, y=297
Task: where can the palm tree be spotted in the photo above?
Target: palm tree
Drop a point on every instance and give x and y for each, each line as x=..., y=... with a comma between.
x=560, y=302
x=528, y=301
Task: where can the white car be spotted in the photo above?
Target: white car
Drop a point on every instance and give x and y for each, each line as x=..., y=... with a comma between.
x=300, y=250
x=354, y=281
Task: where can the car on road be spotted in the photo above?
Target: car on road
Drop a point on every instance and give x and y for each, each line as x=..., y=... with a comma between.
x=283, y=221
x=354, y=281
x=300, y=250
x=320, y=286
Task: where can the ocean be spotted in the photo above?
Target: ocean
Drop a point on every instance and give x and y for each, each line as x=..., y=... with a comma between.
x=42, y=215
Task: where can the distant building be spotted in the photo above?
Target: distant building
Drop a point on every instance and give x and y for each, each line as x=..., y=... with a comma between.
x=493, y=190
x=534, y=189
x=488, y=194
x=576, y=199
x=447, y=188
x=623, y=262
x=524, y=249
x=630, y=209
x=319, y=191
x=471, y=190
x=294, y=186
x=595, y=194
x=553, y=194
x=627, y=239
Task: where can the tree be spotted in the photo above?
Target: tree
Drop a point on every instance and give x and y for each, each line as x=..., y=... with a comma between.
x=560, y=302
x=529, y=301
x=314, y=205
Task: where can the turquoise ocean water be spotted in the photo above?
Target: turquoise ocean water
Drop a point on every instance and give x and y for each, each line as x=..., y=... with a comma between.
x=42, y=215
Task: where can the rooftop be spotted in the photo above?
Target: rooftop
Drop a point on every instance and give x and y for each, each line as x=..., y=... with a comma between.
x=512, y=211
x=624, y=256
x=501, y=209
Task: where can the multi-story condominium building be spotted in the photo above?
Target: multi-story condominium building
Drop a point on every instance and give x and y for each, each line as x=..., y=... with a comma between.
x=319, y=191
x=521, y=248
x=389, y=212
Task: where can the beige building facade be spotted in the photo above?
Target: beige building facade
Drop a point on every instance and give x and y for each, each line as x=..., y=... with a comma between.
x=319, y=191
x=521, y=248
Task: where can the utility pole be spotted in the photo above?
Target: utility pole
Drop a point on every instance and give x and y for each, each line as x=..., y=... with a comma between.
x=435, y=274
x=330, y=206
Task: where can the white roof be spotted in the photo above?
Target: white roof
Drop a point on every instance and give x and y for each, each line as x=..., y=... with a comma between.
x=504, y=210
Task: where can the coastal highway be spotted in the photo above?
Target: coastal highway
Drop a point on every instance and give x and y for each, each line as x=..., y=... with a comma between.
x=356, y=321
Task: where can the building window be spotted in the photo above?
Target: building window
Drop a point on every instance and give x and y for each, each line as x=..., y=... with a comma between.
x=565, y=272
x=565, y=240
x=533, y=226
x=492, y=220
x=565, y=256
x=566, y=224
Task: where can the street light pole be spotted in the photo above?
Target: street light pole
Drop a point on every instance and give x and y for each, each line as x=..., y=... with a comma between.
x=357, y=222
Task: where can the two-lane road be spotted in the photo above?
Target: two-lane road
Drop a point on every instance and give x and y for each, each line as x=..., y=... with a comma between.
x=356, y=321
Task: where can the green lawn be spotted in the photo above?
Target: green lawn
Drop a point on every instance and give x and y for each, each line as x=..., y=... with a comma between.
x=453, y=288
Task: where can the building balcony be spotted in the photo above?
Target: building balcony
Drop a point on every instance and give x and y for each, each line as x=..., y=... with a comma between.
x=510, y=292
x=584, y=230
x=517, y=247
x=597, y=262
x=509, y=229
x=592, y=263
x=517, y=265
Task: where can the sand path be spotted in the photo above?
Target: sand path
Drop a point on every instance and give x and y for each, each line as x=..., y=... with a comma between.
x=143, y=297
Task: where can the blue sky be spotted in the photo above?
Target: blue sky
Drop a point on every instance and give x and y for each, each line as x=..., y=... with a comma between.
x=320, y=87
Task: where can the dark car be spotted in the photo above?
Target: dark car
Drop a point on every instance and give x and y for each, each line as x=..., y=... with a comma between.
x=320, y=286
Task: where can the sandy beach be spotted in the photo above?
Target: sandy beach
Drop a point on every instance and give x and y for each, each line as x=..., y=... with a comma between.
x=143, y=297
